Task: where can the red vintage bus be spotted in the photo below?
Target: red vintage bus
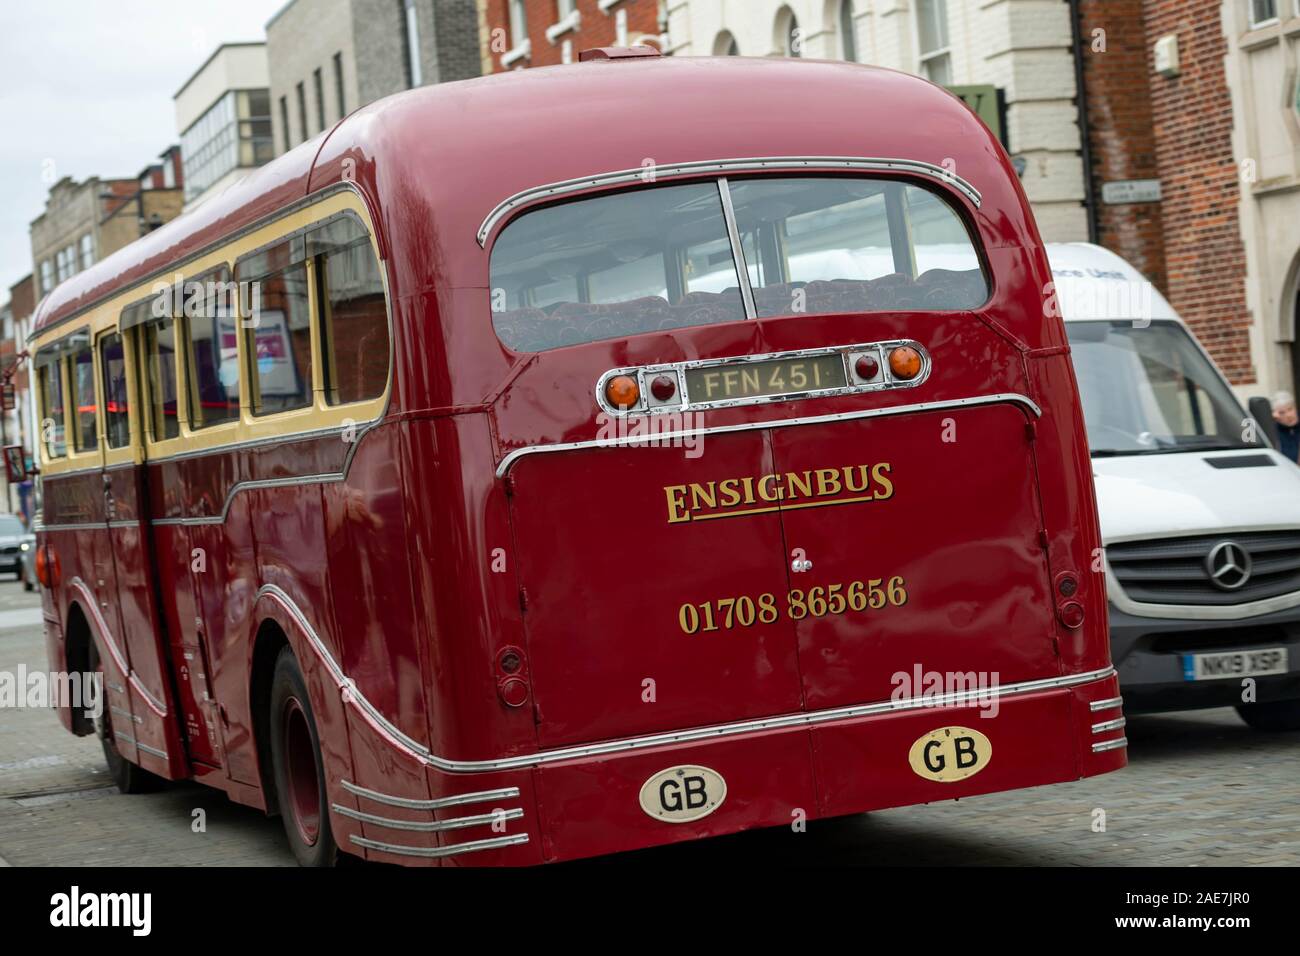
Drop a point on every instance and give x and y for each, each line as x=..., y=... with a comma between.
x=583, y=459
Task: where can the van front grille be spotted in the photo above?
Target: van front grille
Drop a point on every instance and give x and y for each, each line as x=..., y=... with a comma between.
x=1175, y=571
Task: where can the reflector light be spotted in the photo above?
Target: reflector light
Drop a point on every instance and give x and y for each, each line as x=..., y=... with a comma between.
x=622, y=391
x=513, y=691
x=47, y=567
x=905, y=362
x=663, y=388
x=1071, y=614
x=866, y=367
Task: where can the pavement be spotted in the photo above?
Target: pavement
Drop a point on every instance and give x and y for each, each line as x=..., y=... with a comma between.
x=1201, y=789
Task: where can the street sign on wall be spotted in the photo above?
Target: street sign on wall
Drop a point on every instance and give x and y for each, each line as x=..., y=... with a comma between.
x=1130, y=191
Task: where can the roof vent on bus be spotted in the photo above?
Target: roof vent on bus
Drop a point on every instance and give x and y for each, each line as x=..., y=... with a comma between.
x=617, y=53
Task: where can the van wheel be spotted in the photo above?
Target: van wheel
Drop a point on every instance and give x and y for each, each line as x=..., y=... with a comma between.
x=129, y=777
x=1275, y=716
x=299, y=773
x=22, y=576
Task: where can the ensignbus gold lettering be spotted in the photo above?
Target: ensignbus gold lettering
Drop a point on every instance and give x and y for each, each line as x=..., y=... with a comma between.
x=843, y=485
x=885, y=487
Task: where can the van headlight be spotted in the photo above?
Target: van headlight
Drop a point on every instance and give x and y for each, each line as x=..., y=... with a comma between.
x=24, y=547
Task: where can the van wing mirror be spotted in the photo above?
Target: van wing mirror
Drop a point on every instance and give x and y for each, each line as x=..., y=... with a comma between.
x=1261, y=409
x=15, y=464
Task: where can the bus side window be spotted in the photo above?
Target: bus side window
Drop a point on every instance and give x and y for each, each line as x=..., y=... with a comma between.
x=212, y=354
x=85, y=432
x=52, y=423
x=279, y=343
x=354, y=324
x=112, y=361
x=159, y=343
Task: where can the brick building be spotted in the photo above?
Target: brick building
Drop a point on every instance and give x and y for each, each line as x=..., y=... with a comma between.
x=1160, y=114
x=328, y=57
x=521, y=33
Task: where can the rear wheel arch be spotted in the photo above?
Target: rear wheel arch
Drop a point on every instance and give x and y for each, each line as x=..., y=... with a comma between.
x=267, y=645
x=77, y=637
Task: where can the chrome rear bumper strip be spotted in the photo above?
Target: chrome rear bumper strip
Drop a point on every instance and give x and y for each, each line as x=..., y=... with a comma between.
x=455, y=849
x=1109, y=745
x=456, y=823
x=410, y=803
x=1106, y=704
x=1106, y=725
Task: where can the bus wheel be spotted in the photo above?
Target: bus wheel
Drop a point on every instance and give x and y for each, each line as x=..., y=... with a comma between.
x=299, y=774
x=1277, y=715
x=129, y=777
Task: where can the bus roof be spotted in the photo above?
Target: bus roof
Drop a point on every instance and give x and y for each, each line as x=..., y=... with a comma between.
x=432, y=163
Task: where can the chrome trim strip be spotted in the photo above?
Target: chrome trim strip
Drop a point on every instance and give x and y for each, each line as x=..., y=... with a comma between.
x=123, y=712
x=1106, y=704
x=454, y=849
x=723, y=166
x=321, y=479
x=456, y=823
x=803, y=719
x=119, y=659
x=1106, y=725
x=459, y=800
x=1105, y=745
x=737, y=250
x=118, y=735
x=1011, y=397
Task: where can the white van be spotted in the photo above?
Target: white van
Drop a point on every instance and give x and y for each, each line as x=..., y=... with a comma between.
x=1200, y=517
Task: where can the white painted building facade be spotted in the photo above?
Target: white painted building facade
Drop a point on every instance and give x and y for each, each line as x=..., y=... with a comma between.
x=1022, y=47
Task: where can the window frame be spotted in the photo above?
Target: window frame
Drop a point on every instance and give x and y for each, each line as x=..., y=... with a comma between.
x=77, y=433
x=943, y=52
x=101, y=340
x=737, y=240
x=185, y=343
x=1266, y=21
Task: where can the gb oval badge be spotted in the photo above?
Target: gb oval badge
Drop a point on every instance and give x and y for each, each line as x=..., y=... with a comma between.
x=682, y=794
x=950, y=754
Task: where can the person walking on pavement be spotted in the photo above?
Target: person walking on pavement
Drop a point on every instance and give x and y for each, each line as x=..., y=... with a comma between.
x=1288, y=425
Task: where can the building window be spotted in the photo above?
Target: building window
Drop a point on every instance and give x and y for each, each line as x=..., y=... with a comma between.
x=338, y=83
x=169, y=171
x=284, y=123
x=848, y=32
x=564, y=8
x=518, y=23
x=789, y=40
x=234, y=132
x=87, y=251
x=1262, y=12
x=726, y=45
x=934, y=59
x=411, y=31
x=302, y=114
x=320, y=99
x=620, y=26
x=47, y=275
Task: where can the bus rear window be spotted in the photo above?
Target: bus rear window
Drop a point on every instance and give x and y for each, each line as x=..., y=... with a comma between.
x=614, y=266
x=662, y=258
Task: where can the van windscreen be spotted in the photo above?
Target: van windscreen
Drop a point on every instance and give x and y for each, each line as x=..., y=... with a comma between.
x=658, y=258
x=1147, y=389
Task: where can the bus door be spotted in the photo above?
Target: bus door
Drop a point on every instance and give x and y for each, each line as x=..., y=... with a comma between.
x=915, y=554
x=128, y=567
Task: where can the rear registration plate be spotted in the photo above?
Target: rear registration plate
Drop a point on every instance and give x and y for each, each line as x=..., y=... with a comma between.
x=1251, y=663
x=744, y=380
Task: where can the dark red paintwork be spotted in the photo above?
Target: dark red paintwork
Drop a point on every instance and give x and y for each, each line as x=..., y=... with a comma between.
x=393, y=567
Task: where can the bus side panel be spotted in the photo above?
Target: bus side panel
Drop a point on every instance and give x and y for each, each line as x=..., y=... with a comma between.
x=466, y=582
x=1070, y=509
x=141, y=626
x=173, y=557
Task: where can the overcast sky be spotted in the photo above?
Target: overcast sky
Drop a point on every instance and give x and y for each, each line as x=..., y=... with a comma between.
x=86, y=89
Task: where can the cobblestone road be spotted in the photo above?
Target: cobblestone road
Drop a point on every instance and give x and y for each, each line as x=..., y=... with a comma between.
x=1201, y=789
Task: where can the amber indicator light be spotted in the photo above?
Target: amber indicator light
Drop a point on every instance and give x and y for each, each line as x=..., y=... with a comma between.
x=905, y=362
x=622, y=391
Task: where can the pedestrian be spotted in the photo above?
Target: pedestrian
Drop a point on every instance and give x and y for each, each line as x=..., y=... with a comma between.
x=1288, y=425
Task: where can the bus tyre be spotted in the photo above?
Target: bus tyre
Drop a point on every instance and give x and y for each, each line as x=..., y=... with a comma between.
x=1275, y=716
x=299, y=773
x=129, y=777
